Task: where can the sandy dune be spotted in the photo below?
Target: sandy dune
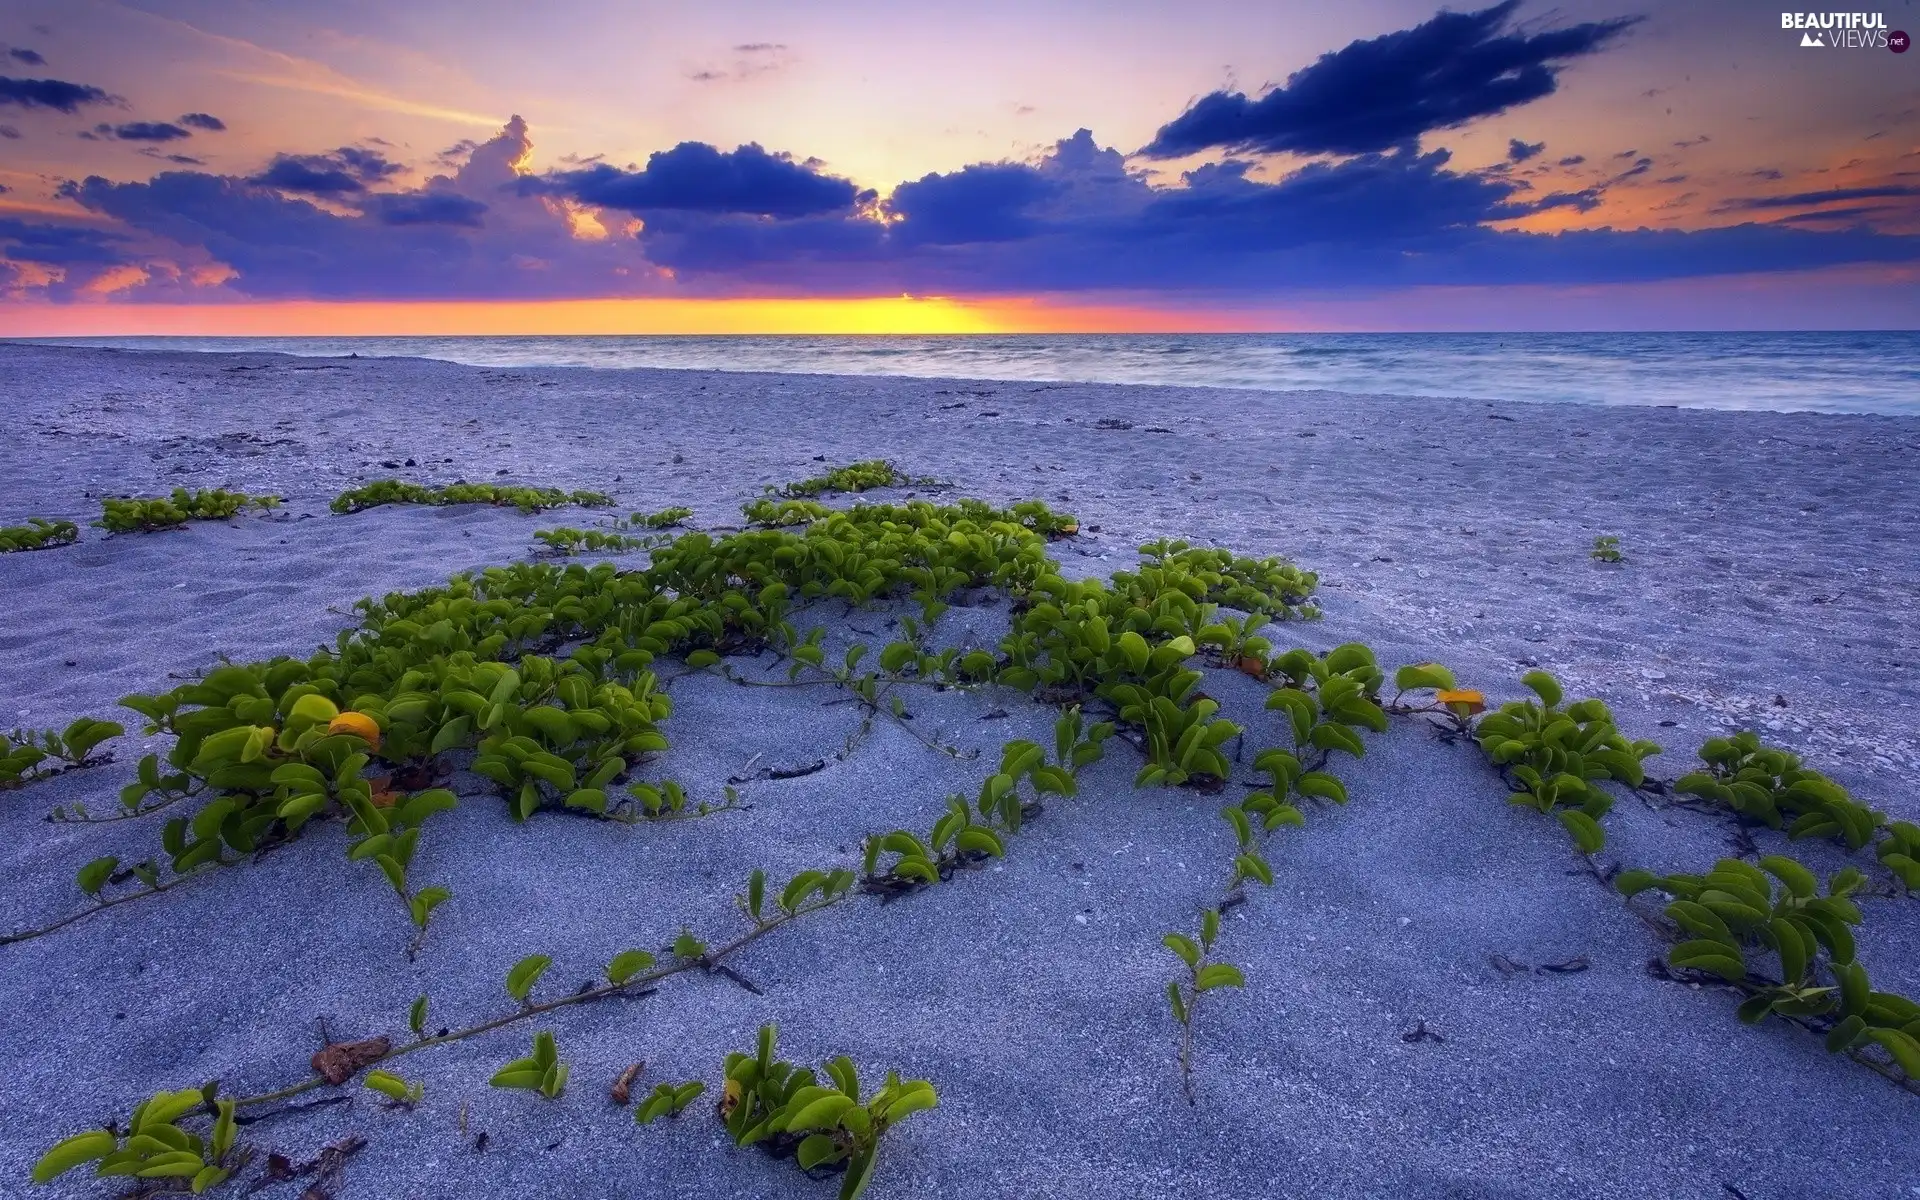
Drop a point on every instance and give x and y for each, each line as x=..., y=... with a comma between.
x=1772, y=580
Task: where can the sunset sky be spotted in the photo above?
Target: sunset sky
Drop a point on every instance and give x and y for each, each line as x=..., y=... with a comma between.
x=364, y=166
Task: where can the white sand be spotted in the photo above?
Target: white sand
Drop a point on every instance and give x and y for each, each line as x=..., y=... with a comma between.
x=1772, y=580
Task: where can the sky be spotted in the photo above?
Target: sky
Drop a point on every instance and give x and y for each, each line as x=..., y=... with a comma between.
x=606, y=166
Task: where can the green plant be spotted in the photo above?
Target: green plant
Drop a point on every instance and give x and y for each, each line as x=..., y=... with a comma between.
x=1739, y=908
x=962, y=837
x=668, y=1100
x=399, y=1092
x=1552, y=757
x=1769, y=785
x=1606, y=549
x=572, y=541
x=854, y=477
x=155, y=1147
x=22, y=751
x=542, y=1071
x=779, y=513
x=782, y=1108
x=1204, y=974
x=132, y=515
x=1899, y=852
x=526, y=499
x=667, y=801
x=666, y=518
x=38, y=534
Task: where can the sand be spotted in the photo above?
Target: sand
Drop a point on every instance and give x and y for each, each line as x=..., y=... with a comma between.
x=1771, y=582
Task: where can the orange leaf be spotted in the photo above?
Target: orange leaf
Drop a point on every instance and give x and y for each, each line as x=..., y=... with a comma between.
x=358, y=724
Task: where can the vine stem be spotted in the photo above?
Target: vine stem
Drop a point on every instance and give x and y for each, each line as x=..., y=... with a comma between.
x=638, y=986
x=1186, y=1051
x=123, y=816
x=27, y=935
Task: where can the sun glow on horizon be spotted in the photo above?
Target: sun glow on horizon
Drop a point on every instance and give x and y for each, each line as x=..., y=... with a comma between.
x=656, y=315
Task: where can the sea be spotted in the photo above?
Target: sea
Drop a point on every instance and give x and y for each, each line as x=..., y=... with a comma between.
x=1867, y=372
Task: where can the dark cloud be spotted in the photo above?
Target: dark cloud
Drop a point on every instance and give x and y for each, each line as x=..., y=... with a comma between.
x=342, y=172
x=696, y=177
x=1519, y=151
x=206, y=121
x=1388, y=91
x=144, y=131
x=428, y=208
x=1828, y=196
x=32, y=58
x=1077, y=219
x=1573, y=160
x=10, y=133
x=1857, y=212
x=983, y=203
x=1640, y=167
x=60, y=245
x=56, y=94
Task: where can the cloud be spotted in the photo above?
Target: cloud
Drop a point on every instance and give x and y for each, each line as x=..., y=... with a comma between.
x=1076, y=219
x=206, y=121
x=1573, y=160
x=32, y=58
x=56, y=94
x=59, y=245
x=696, y=177
x=143, y=131
x=1828, y=196
x=10, y=133
x=469, y=234
x=345, y=171
x=1519, y=151
x=443, y=208
x=1388, y=91
x=989, y=202
x=755, y=58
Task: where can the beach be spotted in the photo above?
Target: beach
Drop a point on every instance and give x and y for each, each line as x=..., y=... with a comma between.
x=1770, y=582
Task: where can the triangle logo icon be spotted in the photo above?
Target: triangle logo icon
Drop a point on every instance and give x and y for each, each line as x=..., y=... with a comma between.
x=1812, y=39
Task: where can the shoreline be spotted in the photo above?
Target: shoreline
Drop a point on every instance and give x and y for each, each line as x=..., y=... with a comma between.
x=1683, y=370
x=1757, y=568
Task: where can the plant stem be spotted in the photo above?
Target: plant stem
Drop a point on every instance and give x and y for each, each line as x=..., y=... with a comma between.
x=27, y=935
x=639, y=985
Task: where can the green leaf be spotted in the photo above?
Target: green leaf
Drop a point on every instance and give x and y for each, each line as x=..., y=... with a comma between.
x=95, y=874
x=521, y=978
x=1216, y=975
x=1587, y=834
x=1544, y=686
x=1799, y=880
x=1422, y=675
x=72, y=1152
x=822, y=1113
x=1183, y=946
x=627, y=964
x=417, y=1016
x=1634, y=881
x=815, y=1149
x=1711, y=956
x=1323, y=785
